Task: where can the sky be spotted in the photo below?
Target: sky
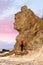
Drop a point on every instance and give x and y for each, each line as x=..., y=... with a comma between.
x=8, y=8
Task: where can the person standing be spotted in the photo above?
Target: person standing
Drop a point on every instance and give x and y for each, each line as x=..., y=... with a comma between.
x=22, y=44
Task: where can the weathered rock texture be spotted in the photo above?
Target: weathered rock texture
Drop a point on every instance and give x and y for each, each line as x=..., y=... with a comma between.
x=30, y=28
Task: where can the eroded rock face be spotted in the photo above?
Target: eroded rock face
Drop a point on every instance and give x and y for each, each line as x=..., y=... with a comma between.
x=29, y=27
x=25, y=19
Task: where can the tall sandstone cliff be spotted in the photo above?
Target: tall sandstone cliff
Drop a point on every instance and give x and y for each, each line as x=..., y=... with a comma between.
x=30, y=28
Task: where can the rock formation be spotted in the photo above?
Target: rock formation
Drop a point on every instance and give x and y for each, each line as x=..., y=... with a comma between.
x=30, y=28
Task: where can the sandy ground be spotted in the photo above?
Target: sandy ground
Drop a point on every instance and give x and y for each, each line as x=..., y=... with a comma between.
x=33, y=58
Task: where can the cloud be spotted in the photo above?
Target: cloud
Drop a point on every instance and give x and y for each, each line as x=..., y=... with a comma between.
x=8, y=37
x=13, y=8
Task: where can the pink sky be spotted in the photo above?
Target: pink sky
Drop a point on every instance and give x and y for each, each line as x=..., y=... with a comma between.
x=7, y=31
x=7, y=27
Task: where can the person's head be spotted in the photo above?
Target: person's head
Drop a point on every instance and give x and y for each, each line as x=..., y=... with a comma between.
x=22, y=41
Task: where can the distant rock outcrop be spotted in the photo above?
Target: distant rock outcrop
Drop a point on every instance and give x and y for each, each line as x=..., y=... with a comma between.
x=30, y=28
x=5, y=50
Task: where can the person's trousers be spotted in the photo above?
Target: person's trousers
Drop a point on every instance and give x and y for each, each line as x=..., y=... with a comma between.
x=22, y=47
